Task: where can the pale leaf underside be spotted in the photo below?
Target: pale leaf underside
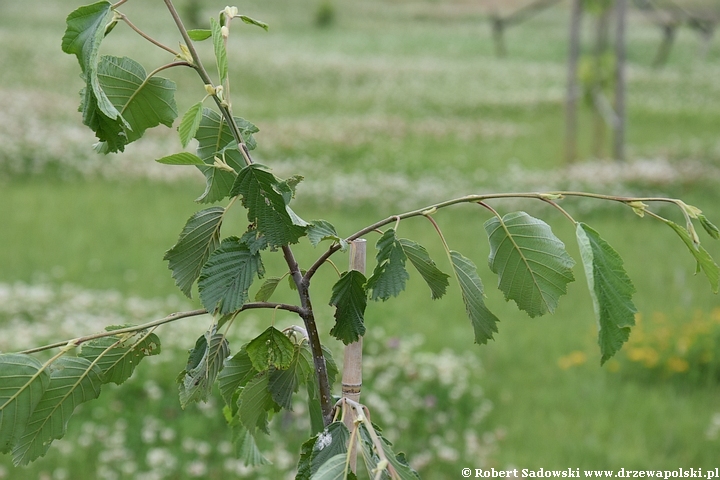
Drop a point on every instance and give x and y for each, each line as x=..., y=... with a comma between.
x=705, y=262
x=22, y=383
x=484, y=322
x=72, y=381
x=205, y=363
x=199, y=238
x=610, y=288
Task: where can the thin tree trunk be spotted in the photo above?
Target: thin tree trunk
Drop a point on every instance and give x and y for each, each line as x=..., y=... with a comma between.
x=619, y=125
x=498, y=34
x=572, y=83
x=601, y=46
x=663, y=52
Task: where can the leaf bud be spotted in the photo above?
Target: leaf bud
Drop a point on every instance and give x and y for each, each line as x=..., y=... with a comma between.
x=690, y=210
x=231, y=12
x=185, y=54
x=638, y=207
x=551, y=196
x=711, y=229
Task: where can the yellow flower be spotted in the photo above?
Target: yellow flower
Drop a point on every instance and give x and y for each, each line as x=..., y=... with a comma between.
x=677, y=364
x=573, y=359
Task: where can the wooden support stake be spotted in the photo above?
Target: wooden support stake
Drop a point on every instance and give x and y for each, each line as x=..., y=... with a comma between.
x=352, y=365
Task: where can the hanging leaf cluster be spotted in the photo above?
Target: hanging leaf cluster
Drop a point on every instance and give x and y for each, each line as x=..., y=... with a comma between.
x=261, y=379
x=119, y=101
x=37, y=399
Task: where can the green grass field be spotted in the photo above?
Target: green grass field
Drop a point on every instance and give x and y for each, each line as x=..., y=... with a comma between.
x=394, y=106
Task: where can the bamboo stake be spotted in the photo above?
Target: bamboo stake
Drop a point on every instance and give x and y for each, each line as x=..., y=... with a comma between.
x=352, y=366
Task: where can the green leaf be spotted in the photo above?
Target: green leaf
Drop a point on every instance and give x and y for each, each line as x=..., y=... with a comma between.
x=398, y=467
x=272, y=348
x=320, y=230
x=182, y=158
x=86, y=28
x=334, y=468
x=389, y=277
x=483, y=321
x=254, y=240
x=189, y=125
x=267, y=289
x=403, y=471
x=284, y=383
x=254, y=404
x=705, y=262
x=246, y=448
x=238, y=371
x=304, y=469
x=220, y=51
x=23, y=381
x=307, y=372
x=532, y=265
x=142, y=103
x=418, y=256
x=711, y=229
x=330, y=443
x=367, y=448
x=216, y=139
x=267, y=208
x=610, y=288
x=350, y=299
x=252, y=21
x=398, y=462
x=72, y=381
x=314, y=410
x=199, y=34
x=199, y=238
x=227, y=276
x=117, y=358
x=204, y=364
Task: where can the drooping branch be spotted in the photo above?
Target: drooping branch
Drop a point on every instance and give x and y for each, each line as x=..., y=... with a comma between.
x=429, y=210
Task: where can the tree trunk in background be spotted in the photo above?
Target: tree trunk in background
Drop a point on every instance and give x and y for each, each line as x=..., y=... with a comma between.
x=619, y=126
x=601, y=47
x=572, y=83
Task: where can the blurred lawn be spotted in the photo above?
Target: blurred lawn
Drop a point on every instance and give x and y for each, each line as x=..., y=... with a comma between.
x=409, y=95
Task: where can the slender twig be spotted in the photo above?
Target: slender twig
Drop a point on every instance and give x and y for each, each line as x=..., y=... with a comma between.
x=124, y=18
x=77, y=341
x=155, y=323
x=562, y=210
